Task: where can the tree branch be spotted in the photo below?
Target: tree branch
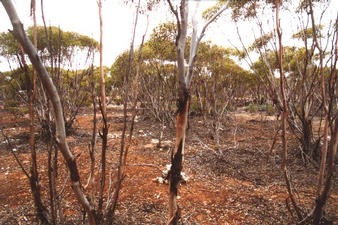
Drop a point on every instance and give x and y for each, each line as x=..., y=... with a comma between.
x=52, y=93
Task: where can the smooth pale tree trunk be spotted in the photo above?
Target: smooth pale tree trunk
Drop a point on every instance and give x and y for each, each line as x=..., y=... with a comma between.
x=182, y=113
x=184, y=77
x=60, y=136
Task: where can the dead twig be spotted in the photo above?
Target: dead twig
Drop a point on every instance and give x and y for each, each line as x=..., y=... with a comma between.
x=10, y=148
x=206, y=147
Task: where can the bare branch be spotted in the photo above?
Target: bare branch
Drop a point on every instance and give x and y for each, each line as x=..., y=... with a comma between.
x=195, y=42
x=51, y=90
x=10, y=148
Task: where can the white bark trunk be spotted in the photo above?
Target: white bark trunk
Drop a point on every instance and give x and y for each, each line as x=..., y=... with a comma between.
x=47, y=82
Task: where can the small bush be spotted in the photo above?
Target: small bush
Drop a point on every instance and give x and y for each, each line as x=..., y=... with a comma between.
x=231, y=108
x=195, y=108
x=17, y=111
x=253, y=108
x=270, y=110
x=11, y=103
x=118, y=101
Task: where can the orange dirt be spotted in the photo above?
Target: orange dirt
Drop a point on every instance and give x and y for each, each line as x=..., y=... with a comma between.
x=228, y=184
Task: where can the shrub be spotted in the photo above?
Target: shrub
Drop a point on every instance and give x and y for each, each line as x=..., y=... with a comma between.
x=11, y=103
x=195, y=108
x=270, y=110
x=252, y=108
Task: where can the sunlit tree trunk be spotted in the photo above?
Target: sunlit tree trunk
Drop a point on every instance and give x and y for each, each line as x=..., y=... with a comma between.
x=92, y=146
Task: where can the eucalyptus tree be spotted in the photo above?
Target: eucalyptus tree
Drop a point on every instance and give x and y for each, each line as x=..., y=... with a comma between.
x=184, y=77
x=157, y=82
x=51, y=91
x=58, y=51
x=302, y=95
x=219, y=81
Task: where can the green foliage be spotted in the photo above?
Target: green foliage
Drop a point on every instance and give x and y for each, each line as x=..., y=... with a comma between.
x=162, y=42
x=260, y=42
x=15, y=107
x=157, y=54
x=308, y=33
x=210, y=12
x=8, y=45
x=119, y=69
x=63, y=42
x=270, y=110
x=244, y=9
x=195, y=107
x=253, y=108
x=12, y=103
x=60, y=40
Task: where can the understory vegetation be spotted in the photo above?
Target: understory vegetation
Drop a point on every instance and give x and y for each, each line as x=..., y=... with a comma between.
x=243, y=134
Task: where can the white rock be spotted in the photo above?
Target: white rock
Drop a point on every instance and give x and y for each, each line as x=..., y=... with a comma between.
x=168, y=166
x=157, y=196
x=154, y=141
x=160, y=180
x=185, y=177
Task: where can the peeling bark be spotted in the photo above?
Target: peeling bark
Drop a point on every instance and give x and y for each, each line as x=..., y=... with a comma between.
x=184, y=78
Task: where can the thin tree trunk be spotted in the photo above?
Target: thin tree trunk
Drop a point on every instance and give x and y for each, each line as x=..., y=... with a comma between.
x=183, y=101
x=92, y=146
x=182, y=112
x=104, y=116
x=60, y=136
x=50, y=183
x=324, y=104
x=177, y=154
x=42, y=213
x=124, y=148
x=284, y=115
x=324, y=195
x=34, y=171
